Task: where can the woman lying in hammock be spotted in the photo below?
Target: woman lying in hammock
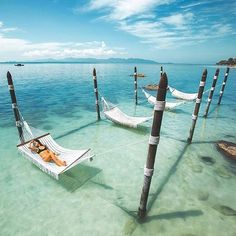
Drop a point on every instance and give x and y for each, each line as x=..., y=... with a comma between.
x=46, y=154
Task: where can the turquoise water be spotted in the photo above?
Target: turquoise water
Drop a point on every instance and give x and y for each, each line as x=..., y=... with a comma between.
x=102, y=197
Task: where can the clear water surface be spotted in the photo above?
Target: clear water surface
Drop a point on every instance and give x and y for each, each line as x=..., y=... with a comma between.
x=187, y=197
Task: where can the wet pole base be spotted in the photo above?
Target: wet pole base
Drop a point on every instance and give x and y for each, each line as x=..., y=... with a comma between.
x=189, y=140
x=142, y=213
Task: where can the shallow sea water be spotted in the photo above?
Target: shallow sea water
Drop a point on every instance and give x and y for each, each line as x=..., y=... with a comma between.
x=102, y=197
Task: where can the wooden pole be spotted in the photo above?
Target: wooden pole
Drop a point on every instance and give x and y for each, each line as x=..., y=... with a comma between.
x=197, y=105
x=15, y=107
x=153, y=143
x=161, y=71
x=96, y=93
x=135, y=85
x=223, y=85
x=211, y=92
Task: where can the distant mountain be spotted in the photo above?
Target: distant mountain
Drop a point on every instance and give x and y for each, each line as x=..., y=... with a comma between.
x=90, y=61
x=230, y=62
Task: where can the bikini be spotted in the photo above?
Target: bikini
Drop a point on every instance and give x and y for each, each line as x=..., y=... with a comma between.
x=41, y=150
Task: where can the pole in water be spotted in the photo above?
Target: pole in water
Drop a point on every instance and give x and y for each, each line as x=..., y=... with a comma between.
x=96, y=93
x=135, y=85
x=153, y=143
x=15, y=107
x=223, y=85
x=211, y=92
x=197, y=105
x=161, y=71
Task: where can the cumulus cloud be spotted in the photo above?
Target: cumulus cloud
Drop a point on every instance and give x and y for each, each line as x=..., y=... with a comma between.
x=27, y=50
x=15, y=48
x=72, y=50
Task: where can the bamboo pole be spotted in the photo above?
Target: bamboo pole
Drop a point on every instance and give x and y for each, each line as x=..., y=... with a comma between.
x=96, y=93
x=153, y=143
x=211, y=92
x=197, y=105
x=15, y=107
x=135, y=85
x=223, y=85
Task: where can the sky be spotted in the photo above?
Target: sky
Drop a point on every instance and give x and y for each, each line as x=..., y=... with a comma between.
x=180, y=31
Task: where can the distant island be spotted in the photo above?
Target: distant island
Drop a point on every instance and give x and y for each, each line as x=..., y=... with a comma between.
x=229, y=62
x=89, y=61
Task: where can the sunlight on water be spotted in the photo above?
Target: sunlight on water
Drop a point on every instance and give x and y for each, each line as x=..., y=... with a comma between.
x=102, y=197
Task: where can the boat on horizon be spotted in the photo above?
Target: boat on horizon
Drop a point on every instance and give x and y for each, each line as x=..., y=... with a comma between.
x=19, y=64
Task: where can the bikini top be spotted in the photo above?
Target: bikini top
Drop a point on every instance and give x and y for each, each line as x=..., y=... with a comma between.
x=39, y=150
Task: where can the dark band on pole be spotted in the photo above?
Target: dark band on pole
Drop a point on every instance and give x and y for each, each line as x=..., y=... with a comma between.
x=15, y=107
x=96, y=93
x=135, y=85
x=211, y=92
x=153, y=143
x=161, y=72
x=197, y=105
x=223, y=85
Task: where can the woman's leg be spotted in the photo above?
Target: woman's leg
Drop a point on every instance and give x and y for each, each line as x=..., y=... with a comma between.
x=46, y=156
x=57, y=160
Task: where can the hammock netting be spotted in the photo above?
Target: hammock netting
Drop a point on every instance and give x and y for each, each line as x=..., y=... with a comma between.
x=181, y=95
x=169, y=105
x=113, y=113
x=72, y=157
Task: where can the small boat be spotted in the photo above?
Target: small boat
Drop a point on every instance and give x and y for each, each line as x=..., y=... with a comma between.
x=139, y=75
x=153, y=87
x=19, y=64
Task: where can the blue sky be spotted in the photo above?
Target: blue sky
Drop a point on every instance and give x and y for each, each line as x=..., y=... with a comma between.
x=163, y=30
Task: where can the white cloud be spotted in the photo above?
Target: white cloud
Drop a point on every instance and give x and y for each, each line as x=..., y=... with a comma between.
x=140, y=18
x=178, y=20
x=123, y=9
x=9, y=29
x=158, y=36
x=194, y=4
x=72, y=50
x=23, y=49
x=15, y=48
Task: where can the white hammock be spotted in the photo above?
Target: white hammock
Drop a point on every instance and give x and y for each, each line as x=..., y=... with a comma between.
x=181, y=95
x=72, y=157
x=114, y=114
x=169, y=105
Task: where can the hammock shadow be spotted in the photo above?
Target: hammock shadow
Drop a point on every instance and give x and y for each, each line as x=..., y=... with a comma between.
x=77, y=177
x=173, y=215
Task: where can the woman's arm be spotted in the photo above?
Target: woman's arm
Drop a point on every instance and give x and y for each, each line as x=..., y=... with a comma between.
x=32, y=148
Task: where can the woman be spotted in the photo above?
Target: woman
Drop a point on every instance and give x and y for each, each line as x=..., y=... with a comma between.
x=47, y=155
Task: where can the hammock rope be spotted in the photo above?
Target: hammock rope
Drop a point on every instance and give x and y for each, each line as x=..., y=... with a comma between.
x=120, y=146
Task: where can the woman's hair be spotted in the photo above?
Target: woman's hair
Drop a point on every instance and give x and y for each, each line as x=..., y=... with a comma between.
x=38, y=142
